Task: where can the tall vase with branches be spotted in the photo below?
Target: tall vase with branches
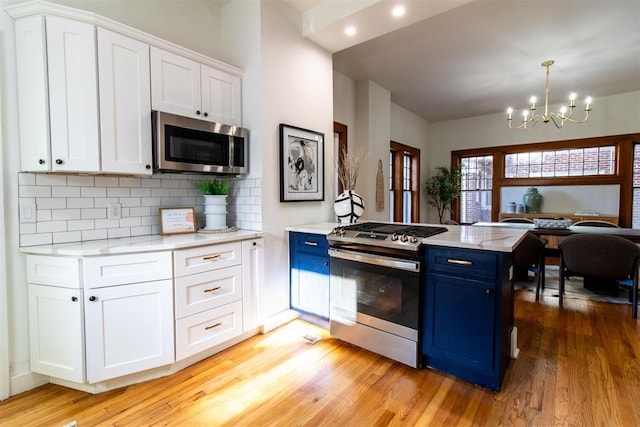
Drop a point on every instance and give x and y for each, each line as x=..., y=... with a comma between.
x=349, y=205
x=443, y=188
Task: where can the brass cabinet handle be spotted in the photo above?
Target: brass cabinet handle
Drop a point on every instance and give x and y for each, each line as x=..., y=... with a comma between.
x=311, y=243
x=459, y=261
x=211, y=257
x=212, y=326
x=217, y=288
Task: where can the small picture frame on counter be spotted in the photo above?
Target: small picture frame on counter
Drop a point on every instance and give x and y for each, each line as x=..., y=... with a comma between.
x=178, y=220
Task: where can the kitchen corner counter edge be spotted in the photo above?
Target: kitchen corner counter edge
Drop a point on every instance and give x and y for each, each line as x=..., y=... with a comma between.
x=499, y=239
x=148, y=243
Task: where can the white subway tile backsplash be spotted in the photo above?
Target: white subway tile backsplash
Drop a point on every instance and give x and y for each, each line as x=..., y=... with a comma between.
x=65, y=191
x=118, y=192
x=36, y=239
x=93, y=192
x=129, y=182
x=26, y=179
x=67, y=237
x=74, y=208
x=51, y=179
x=95, y=213
x=82, y=224
x=34, y=191
x=43, y=215
x=65, y=214
x=94, y=234
x=115, y=233
x=107, y=181
x=51, y=226
x=80, y=202
x=80, y=180
x=140, y=192
x=51, y=203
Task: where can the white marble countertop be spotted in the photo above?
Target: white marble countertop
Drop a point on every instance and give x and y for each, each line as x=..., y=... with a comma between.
x=500, y=239
x=148, y=243
x=317, y=228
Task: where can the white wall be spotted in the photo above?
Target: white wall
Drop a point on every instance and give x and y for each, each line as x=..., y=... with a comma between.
x=566, y=199
x=410, y=129
x=193, y=24
x=373, y=120
x=297, y=89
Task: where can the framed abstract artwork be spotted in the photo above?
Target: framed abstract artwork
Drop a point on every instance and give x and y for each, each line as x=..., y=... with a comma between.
x=301, y=164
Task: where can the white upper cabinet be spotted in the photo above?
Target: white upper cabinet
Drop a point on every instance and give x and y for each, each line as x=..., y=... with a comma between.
x=58, y=100
x=188, y=88
x=87, y=86
x=221, y=96
x=125, y=104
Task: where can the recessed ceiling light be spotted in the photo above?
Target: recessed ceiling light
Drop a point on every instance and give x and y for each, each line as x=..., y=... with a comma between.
x=398, y=11
x=350, y=30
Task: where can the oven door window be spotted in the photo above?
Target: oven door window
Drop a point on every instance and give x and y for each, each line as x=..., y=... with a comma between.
x=194, y=146
x=381, y=292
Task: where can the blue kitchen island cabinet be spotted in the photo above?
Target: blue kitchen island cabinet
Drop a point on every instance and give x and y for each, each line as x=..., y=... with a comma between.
x=468, y=314
x=309, y=273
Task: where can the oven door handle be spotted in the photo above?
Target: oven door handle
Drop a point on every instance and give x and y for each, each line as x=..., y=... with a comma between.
x=379, y=260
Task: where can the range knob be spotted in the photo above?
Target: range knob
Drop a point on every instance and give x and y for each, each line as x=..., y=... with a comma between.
x=404, y=238
x=338, y=231
x=413, y=239
x=394, y=237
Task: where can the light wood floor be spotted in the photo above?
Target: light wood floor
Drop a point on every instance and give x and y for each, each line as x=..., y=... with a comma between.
x=578, y=366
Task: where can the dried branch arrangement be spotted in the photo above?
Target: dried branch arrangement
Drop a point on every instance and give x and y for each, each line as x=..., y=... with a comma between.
x=349, y=166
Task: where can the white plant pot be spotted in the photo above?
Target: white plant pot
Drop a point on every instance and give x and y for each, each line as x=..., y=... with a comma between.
x=215, y=212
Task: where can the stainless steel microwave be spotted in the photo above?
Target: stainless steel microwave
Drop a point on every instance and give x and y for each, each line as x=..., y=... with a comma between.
x=184, y=144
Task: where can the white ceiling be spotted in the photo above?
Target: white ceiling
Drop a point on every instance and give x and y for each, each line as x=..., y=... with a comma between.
x=463, y=58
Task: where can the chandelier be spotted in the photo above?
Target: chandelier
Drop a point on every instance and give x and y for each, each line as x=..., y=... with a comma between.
x=530, y=118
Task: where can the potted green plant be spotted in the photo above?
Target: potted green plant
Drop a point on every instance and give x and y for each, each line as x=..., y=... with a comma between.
x=214, y=186
x=443, y=188
x=215, y=191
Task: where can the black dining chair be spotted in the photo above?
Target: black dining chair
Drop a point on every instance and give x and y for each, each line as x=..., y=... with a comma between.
x=529, y=256
x=595, y=223
x=600, y=256
x=518, y=220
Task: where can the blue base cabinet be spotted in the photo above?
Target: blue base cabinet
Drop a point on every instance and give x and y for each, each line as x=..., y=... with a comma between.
x=467, y=314
x=309, y=273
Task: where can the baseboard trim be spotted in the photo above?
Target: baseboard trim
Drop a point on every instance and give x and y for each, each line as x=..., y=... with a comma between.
x=279, y=319
x=27, y=381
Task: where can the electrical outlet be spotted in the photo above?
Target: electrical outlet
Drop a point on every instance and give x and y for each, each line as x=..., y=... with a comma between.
x=114, y=211
x=27, y=210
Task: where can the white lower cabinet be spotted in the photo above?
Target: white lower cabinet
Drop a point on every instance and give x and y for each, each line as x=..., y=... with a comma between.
x=208, y=295
x=129, y=329
x=95, y=318
x=101, y=322
x=203, y=330
x=56, y=332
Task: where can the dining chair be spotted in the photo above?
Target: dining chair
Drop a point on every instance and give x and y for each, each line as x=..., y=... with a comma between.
x=529, y=256
x=600, y=256
x=595, y=223
x=518, y=220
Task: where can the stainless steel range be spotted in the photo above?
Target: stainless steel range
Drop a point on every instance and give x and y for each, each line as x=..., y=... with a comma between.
x=376, y=286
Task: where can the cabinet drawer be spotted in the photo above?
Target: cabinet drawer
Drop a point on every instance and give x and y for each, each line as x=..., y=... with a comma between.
x=54, y=271
x=203, y=291
x=201, y=331
x=309, y=242
x=207, y=258
x=462, y=262
x=125, y=269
